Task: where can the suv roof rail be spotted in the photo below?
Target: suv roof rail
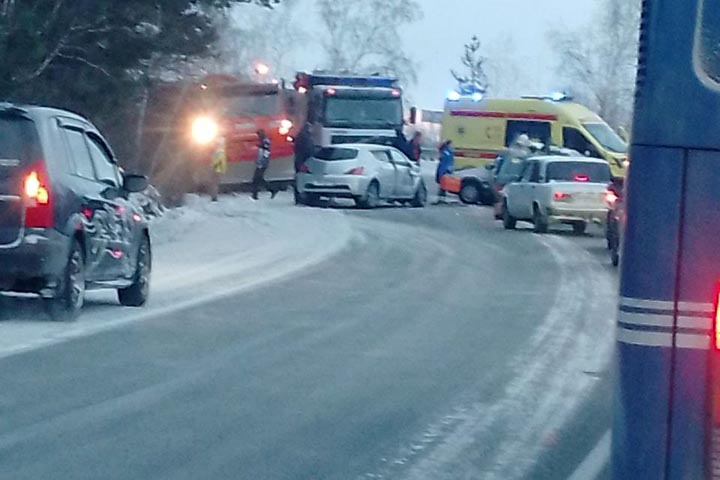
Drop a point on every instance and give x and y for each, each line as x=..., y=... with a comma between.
x=11, y=108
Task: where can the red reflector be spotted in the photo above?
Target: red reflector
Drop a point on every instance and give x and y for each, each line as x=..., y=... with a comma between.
x=304, y=168
x=330, y=91
x=396, y=93
x=87, y=212
x=561, y=196
x=356, y=171
x=582, y=178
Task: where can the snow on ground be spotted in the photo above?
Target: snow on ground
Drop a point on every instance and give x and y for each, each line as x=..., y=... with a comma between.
x=201, y=252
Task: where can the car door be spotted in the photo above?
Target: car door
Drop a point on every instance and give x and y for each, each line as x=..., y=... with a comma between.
x=405, y=178
x=386, y=172
x=98, y=212
x=516, y=193
x=122, y=231
x=534, y=187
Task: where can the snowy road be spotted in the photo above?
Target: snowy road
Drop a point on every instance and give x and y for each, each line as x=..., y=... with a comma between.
x=395, y=344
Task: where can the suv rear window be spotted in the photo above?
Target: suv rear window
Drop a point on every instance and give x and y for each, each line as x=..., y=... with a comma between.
x=578, y=171
x=333, y=154
x=19, y=143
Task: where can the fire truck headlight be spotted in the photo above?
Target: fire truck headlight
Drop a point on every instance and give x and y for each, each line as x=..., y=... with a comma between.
x=285, y=127
x=204, y=130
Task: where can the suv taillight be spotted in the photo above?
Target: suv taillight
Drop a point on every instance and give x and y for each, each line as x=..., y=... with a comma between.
x=36, y=192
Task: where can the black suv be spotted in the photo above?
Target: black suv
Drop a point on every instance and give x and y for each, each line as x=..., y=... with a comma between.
x=66, y=222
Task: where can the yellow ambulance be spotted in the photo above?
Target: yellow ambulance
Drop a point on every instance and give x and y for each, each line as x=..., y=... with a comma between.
x=480, y=128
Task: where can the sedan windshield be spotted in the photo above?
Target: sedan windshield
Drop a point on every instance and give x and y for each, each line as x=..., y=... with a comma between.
x=363, y=112
x=606, y=137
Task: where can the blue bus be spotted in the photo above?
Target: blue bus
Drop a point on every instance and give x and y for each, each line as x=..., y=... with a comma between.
x=667, y=400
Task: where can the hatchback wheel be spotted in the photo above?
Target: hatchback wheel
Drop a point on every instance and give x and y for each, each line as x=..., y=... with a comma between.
x=136, y=295
x=470, y=193
x=69, y=297
x=372, y=197
x=420, y=198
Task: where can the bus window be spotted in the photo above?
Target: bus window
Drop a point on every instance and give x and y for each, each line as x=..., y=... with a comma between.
x=709, y=48
x=535, y=130
x=575, y=140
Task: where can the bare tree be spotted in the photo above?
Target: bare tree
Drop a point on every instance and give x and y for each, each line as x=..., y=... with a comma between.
x=363, y=36
x=475, y=78
x=600, y=60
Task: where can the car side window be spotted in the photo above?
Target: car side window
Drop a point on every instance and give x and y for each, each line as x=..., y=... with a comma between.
x=527, y=173
x=399, y=159
x=382, y=155
x=535, y=173
x=105, y=168
x=533, y=129
x=79, y=154
x=575, y=140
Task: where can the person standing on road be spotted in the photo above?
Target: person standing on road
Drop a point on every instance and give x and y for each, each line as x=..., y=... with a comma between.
x=445, y=166
x=219, y=168
x=415, y=148
x=261, y=165
x=304, y=149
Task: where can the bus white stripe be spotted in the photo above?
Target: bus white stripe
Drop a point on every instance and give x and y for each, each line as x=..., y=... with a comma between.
x=644, y=337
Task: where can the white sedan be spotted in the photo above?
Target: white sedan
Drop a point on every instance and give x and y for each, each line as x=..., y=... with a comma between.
x=368, y=174
x=556, y=190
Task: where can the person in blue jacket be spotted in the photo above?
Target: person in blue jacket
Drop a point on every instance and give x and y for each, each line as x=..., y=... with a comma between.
x=446, y=165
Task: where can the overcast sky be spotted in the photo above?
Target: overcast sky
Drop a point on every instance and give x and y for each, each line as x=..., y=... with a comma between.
x=514, y=35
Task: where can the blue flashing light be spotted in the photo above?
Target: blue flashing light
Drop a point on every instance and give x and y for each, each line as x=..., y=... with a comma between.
x=351, y=81
x=558, y=96
x=477, y=96
x=453, y=96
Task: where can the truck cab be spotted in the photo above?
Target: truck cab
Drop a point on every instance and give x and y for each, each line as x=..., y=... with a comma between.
x=351, y=109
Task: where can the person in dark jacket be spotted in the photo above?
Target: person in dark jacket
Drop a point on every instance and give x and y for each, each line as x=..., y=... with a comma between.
x=414, y=151
x=261, y=165
x=304, y=149
x=445, y=166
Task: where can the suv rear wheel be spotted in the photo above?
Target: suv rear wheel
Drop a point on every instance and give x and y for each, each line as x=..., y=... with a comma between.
x=70, y=295
x=136, y=295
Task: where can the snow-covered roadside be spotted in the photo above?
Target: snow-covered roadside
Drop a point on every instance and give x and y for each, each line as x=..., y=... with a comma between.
x=201, y=252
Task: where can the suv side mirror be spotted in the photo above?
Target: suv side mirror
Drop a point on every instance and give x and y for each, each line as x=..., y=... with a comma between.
x=135, y=183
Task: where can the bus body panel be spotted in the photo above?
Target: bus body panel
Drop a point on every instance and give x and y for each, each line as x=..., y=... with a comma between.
x=671, y=254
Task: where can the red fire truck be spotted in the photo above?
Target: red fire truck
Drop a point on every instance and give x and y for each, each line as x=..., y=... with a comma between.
x=184, y=121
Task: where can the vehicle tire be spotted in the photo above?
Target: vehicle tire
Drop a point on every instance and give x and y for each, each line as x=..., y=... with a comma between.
x=615, y=256
x=579, y=228
x=509, y=222
x=539, y=221
x=136, y=295
x=487, y=199
x=420, y=198
x=470, y=193
x=371, y=199
x=69, y=297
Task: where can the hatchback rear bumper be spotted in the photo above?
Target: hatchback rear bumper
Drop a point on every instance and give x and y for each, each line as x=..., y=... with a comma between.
x=36, y=263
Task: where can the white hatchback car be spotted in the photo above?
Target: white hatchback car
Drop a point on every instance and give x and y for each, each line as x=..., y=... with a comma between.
x=557, y=190
x=368, y=174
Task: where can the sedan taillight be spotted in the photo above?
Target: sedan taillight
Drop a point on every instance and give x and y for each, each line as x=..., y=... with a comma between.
x=36, y=192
